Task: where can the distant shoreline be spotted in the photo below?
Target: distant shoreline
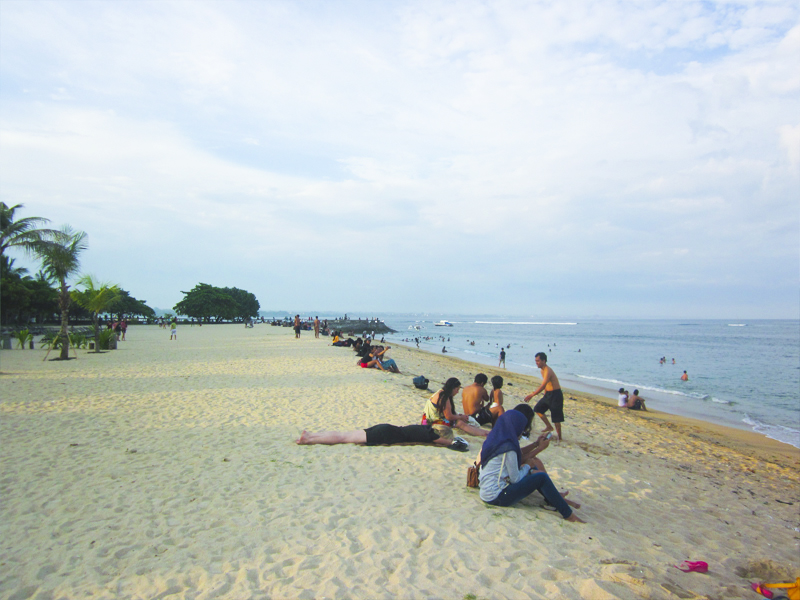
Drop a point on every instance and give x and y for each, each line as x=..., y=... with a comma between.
x=742, y=439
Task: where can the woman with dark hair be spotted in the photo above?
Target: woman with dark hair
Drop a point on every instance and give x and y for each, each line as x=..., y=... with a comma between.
x=440, y=412
x=496, y=406
x=506, y=476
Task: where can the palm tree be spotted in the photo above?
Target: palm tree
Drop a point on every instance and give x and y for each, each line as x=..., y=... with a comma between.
x=59, y=256
x=96, y=298
x=24, y=233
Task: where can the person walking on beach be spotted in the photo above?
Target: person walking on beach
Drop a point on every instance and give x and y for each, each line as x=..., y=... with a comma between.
x=173, y=334
x=297, y=327
x=316, y=327
x=502, y=362
x=553, y=399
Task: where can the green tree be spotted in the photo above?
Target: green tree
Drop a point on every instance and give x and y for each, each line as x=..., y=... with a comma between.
x=206, y=302
x=97, y=297
x=127, y=304
x=246, y=303
x=22, y=233
x=59, y=256
x=24, y=298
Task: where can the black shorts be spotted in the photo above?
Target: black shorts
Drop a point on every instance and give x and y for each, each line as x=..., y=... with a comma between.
x=386, y=435
x=483, y=416
x=554, y=402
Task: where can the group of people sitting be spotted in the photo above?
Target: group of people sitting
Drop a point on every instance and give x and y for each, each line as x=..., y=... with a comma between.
x=631, y=401
x=508, y=473
x=370, y=357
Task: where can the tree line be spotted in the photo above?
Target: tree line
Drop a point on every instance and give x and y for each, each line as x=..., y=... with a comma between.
x=47, y=295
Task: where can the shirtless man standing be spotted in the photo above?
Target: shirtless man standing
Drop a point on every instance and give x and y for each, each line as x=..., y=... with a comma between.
x=316, y=327
x=553, y=399
x=474, y=399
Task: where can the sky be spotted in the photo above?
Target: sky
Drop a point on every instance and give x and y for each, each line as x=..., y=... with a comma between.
x=576, y=158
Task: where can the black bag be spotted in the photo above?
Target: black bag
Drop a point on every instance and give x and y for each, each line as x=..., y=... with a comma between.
x=420, y=382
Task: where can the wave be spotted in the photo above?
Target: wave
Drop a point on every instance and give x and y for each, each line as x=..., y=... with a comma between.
x=520, y=323
x=787, y=435
x=693, y=396
x=737, y=325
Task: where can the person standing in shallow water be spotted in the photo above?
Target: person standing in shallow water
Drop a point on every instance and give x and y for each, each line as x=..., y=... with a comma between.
x=553, y=399
x=502, y=362
x=685, y=376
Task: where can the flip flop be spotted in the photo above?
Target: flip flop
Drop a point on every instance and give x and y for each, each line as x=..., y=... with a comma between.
x=759, y=587
x=689, y=566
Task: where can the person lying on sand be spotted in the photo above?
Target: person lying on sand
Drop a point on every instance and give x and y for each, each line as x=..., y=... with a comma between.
x=441, y=413
x=384, y=435
x=506, y=475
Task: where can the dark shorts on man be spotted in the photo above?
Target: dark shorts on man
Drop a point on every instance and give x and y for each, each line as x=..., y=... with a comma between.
x=554, y=402
x=637, y=404
x=386, y=435
x=483, y=416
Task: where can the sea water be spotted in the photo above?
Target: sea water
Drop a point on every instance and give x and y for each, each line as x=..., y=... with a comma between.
x=743, y=374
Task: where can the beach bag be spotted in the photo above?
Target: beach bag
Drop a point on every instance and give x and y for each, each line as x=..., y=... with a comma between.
x=472, y=476
x=420, y=382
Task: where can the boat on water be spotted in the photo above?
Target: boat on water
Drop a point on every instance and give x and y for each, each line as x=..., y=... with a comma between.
x=443, y=324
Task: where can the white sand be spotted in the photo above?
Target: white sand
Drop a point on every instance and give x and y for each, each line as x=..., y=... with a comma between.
x=169, y=469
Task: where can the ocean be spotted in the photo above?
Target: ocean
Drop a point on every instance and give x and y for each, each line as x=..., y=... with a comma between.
x=743, y=374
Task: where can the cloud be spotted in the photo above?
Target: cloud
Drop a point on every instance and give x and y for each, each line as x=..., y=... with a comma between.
x=539, y=143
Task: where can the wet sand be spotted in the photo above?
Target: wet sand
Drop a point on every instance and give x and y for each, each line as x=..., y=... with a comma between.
x=169, y=469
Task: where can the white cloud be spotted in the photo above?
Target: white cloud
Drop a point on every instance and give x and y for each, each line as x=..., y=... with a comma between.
x=653, y=140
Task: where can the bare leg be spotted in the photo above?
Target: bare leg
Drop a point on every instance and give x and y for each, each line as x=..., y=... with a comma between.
x=496, y=412
x=547, y=425
x=558, y=430
x=476, y=431
x=331, y=438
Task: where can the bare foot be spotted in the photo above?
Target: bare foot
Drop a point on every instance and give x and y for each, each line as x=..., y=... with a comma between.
x=547, y=430
x=573, y=518
x=570, y=502
x=303, y=439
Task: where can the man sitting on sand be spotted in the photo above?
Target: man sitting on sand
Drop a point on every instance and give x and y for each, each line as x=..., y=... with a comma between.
x=384, y=435
x=474, y=399
x=553, y=399
x=636, y=402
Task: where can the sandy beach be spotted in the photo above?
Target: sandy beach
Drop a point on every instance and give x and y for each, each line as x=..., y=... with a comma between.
x=168, y=469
